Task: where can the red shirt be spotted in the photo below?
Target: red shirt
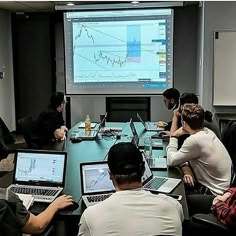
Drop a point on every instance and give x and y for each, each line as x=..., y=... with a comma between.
x=226, y=211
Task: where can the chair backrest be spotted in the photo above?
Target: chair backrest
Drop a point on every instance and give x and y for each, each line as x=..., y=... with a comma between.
x=228, y=139
x=26, y=126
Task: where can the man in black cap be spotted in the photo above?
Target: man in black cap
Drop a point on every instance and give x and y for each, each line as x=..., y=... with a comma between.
x=131, y=210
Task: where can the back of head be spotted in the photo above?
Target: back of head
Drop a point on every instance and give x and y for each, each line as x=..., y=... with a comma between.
x=56, y=99
x=193, y=115
x=188, y=98
x=125, y=162
x=171, y=93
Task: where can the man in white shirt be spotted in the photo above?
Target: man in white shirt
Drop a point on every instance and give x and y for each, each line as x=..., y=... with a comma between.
x=202, y=150
x=131, y=210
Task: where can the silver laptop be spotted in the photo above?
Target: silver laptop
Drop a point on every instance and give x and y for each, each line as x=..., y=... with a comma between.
x=39, y=173
x=96, y=185
x=82, y=125
x=149, y=126
x=158, y=183
x=139, y=142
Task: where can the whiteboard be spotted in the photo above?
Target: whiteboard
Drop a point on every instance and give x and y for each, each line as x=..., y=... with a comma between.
x=224, y=77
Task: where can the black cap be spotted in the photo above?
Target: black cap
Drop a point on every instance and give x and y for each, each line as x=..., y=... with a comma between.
x=125, y=159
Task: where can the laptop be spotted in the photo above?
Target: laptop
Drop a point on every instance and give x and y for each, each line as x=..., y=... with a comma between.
x=139, y=142
x=39, y=173
x=96, y=185
x=89, y=135
x=158, y=183
x=82, y=125
x=149, y=126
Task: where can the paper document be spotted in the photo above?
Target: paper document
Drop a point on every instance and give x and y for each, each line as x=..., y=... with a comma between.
x=27, y=199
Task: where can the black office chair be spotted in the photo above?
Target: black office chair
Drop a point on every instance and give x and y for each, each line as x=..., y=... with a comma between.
x=27, y=129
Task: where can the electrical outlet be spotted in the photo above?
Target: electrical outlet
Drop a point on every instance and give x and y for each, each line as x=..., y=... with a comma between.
x=1, y=75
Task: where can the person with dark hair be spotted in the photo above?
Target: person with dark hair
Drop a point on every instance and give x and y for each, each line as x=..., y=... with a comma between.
x=15, y=219
x=50, y=123
x=202, y=151
x=131, y=210
x=171, y=98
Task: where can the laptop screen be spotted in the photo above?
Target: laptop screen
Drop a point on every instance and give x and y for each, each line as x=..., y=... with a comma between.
x=135, y=138
x=40, y=167
x=147, y=173
x=95, y=178
x=141, y=120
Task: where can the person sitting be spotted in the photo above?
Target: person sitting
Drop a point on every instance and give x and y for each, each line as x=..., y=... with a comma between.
x=224, y=207
x=50, y=123
x=131, y=210
x=202, y=151
x=171, y=101
x=5, y=138
x=15, y=219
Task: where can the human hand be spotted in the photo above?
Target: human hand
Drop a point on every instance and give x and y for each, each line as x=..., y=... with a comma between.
x=188, y=180
x=179, y=132
x=59, y=134
x=176, y=113
x=161, y=124
x=64, y=128
x=62, y=202
x=164, y=133
x=224, y=197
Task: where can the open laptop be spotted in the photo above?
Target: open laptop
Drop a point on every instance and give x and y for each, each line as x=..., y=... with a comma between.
x=96, y=185
x=39, y=173
x=149, y=126
x=139, y=142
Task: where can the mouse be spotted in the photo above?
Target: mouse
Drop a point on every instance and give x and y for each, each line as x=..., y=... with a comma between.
x=70, y=208
x=75, y=140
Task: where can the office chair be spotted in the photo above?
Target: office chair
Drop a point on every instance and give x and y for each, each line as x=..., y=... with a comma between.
x=211, y=221
x=26, y=126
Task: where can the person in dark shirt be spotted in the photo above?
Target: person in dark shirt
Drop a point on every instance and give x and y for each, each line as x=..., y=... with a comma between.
x=5, y=138
x=51, y=125
x=15, y=219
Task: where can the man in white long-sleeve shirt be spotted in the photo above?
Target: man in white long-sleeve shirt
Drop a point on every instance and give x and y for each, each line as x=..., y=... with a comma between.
x=203, y=151
x=131, y=210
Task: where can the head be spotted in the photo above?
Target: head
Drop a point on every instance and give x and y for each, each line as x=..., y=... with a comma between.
x=187, y=98
x=192, y=117
x=126, y=164
x=171, y=98
x=58, y=101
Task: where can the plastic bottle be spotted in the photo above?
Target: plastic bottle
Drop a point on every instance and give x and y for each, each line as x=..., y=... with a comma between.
x=87, y=123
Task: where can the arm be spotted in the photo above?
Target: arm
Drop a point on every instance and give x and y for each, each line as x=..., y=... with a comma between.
x=224, y=211
x=188, y=151
x=174, y=125
x=83, y=227
x=188, y=175
x=37, y=224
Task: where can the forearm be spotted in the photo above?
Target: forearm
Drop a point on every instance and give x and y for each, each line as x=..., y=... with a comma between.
x=174, y=125
x=37, y=224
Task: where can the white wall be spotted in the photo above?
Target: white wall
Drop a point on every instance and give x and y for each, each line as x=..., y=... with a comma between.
x=216, y=16
x=7, y=97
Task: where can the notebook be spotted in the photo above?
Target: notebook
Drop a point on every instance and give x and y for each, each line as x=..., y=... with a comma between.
x=158, y=183
x=87, y=135
x=96, y=185
x=149, y=126
x=139, y=142
x=39, y=173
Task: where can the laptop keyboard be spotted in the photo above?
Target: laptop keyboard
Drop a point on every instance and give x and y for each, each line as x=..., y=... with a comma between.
x=156, y=183
x=98, y=198
x=34, y=191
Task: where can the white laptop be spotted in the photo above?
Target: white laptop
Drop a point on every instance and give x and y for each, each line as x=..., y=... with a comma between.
x=96, y=185
x=149, y=126
x=39, y=173
x=139, y=142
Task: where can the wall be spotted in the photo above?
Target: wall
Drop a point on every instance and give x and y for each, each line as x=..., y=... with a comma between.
x=7, y=98
x=216, y=16
x=185, y=49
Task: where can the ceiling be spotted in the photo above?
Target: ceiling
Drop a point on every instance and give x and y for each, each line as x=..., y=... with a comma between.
x=49, y=6
x=37, y=6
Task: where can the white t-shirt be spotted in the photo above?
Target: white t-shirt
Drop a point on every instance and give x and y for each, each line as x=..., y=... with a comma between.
x=133, y=212
x=208, y=157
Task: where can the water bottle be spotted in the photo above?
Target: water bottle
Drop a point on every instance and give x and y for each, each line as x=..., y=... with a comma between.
x=148, y=147
x=87, y=123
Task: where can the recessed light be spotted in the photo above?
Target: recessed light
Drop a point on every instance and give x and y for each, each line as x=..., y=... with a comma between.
x=70, y=4
x=135, y=2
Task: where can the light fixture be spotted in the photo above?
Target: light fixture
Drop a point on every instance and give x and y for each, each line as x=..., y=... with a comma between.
x=70, y=4
x=135, y=2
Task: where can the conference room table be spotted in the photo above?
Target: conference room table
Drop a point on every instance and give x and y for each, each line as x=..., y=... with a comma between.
x=97, y=150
